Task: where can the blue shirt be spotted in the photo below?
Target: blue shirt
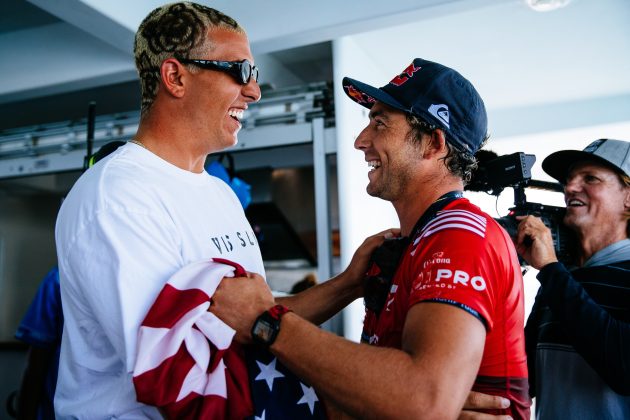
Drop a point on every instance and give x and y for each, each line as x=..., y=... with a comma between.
x=42, y=326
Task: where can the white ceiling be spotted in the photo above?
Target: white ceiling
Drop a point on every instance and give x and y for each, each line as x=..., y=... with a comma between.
x=518, y=57
x=61, y=51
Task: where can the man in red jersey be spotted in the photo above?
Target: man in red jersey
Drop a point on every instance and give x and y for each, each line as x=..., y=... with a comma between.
x=448, y=318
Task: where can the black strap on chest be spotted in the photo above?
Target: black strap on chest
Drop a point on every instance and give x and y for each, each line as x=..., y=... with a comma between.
x=433, y=210
x=386, y=258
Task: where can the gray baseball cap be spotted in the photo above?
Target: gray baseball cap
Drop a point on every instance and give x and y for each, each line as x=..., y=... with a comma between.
x=613, y=153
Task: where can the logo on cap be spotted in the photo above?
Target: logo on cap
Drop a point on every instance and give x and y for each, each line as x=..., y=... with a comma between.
x=405, y=75
x=591, y=148
x=358, y=96
x=440, y=111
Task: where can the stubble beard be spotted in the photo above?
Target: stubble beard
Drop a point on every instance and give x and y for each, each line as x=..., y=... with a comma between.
x=389, y=188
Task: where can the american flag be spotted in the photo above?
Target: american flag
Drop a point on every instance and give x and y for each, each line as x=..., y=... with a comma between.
x=189, y=367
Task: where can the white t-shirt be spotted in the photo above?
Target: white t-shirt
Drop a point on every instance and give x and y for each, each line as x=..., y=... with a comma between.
x=128, y=224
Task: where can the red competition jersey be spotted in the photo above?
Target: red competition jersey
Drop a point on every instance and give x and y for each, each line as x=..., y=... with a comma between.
x=464, y=258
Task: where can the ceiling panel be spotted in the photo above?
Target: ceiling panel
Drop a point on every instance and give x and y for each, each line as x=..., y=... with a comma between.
x=516, y=57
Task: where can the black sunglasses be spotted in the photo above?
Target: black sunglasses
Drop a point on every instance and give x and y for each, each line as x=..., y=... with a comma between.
x=242, y=71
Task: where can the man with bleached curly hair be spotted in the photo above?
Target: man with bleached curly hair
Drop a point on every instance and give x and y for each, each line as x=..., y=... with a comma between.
x=147, y=210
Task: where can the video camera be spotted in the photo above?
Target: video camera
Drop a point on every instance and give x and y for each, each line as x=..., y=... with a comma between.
x=495, y=173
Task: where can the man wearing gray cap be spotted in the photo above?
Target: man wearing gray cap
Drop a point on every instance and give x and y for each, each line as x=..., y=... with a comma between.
x=578, y=333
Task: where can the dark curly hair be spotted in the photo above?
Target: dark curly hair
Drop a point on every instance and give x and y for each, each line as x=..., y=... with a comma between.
x=459, y=162
x=177, y=29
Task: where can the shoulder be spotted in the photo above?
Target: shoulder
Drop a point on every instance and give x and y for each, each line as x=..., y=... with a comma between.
x=114, y=188
x=462, y=232
x=130, y=179
x=604, y=268
x=612, y=273
x=623, y=265
x=113, y=173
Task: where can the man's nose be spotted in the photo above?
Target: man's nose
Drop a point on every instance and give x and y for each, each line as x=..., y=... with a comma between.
x=361, y=141
x=251, y=90
x=573, y=184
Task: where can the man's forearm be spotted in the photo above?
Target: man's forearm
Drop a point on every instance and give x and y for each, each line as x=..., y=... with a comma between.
x=347, y=373
x=321, y=302
x=431, y=378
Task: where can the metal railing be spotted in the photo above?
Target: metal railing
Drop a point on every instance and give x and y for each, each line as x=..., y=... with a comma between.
x=282, y=106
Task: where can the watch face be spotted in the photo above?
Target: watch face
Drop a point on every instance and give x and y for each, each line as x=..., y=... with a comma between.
x=264, y=331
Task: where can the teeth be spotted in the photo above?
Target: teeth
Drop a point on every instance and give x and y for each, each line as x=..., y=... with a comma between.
x=575, y=203
x=236, y=113
x=373, y=164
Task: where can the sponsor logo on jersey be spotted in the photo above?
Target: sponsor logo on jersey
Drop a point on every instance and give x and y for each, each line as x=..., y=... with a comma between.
x=436, y=258
x=460, y=277
x=389, y=302
x=392, y=290
x=449, y=279
x=423, y=279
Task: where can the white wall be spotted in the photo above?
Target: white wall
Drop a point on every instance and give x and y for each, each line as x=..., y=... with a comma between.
x=558, y=86
x=359, y=214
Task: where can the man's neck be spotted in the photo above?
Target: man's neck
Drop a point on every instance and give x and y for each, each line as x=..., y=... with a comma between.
x=416, y=203
x=598, y=239
x=174, y=146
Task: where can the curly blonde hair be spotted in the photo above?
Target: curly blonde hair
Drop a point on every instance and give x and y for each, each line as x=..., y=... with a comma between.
x=173, y=30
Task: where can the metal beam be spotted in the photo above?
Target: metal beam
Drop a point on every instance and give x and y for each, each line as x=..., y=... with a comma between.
x=90, y=20
x=322, y=210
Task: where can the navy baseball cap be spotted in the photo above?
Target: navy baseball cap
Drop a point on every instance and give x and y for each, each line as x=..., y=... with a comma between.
x=611, y=153
x=435, y=93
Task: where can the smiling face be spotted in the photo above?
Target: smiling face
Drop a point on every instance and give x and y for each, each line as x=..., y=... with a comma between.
x=596, y=199
x=392, y=156
x=216, y=100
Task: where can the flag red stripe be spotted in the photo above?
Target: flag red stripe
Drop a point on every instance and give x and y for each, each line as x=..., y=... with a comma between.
x=171, y=305
x=162, y=385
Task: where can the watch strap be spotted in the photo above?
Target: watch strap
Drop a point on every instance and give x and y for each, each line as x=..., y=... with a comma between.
x=267, y=325
x=277, y=311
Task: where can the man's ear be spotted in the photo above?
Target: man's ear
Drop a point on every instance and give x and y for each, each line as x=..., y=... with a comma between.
x=626, y=201
x=172, y=72
x=436, y=144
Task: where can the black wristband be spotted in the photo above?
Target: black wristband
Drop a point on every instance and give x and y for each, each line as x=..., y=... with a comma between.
x=267, y=325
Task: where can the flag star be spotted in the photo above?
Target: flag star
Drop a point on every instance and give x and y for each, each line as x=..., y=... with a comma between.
x=262, y=416
x=268, y=373
x=309, y=397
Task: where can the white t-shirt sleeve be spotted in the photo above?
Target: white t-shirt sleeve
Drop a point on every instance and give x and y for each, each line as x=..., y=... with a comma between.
x=119, y=264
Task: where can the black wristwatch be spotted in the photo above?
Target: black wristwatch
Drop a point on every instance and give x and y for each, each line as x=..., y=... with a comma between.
x=267, y=325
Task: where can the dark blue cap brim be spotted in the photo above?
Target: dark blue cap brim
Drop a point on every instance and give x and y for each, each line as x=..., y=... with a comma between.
x=373, y=94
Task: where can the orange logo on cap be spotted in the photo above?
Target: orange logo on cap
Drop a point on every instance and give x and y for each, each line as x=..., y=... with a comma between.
x=359, y=96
